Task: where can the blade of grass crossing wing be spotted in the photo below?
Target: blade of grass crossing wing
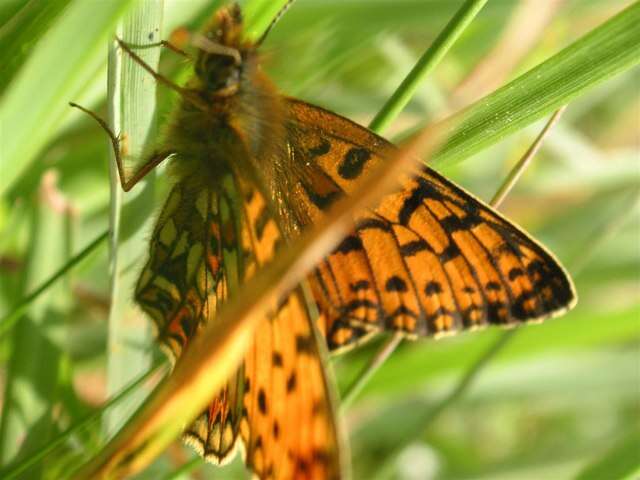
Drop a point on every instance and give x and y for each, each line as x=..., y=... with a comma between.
x=214, y=354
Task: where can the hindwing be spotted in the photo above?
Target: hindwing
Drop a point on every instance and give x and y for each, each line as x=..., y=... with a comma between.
x=207, y=243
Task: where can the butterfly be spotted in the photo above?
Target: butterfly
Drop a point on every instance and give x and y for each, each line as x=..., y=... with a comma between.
x=252, y=169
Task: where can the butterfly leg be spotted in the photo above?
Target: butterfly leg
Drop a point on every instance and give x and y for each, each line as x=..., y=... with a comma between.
x=162, y=43
x=170, y=46
x=186, y=94
x=152, y=161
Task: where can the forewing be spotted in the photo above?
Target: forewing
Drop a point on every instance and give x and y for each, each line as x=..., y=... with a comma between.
x=429, y=259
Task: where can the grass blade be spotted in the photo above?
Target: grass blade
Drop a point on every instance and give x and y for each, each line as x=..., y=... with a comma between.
x=13, y=471
x=132, y=103
x=25, y=29
x=31, y=387
x=430, y=58
x=14, y=315
x=607, y=50
x=620, y=463
x=259, y=15
x=67, y=56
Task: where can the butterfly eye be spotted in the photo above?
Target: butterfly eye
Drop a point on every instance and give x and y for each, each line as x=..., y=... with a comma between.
x=221, y=73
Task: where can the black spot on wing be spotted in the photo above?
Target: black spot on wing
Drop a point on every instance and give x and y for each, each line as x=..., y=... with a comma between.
x=321, y=149
x=321, y=201
x=373, y=223
x=449, y=253
x=262, y=402
x=396, y=284
x=350, y=244
x=292, y=381
x=304, y=344
x=411, y=248
x=496, y=312
x=514, y=273
x=419, y=194
x=353, y=163
x=518, y=308
x=261, y=222
x=360, y=285
x=453, y=223
x=432, y=288
x=276, y=359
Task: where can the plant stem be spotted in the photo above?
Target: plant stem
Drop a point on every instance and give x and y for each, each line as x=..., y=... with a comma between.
x=13, y=471
x=519, y=168
x=132, y=104
x=427, y=62
x=10, y=319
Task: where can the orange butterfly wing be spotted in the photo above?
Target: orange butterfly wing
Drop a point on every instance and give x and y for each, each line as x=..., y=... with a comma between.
x=280, y=403
x=428, y=260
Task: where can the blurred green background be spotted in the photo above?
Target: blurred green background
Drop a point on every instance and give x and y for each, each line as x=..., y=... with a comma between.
x=554, y=401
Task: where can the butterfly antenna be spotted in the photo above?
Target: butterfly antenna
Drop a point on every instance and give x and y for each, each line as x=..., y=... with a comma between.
x=278, y=16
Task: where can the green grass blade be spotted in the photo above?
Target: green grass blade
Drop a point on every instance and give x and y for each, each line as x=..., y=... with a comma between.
x=31, y=387
x=621, y=462
x=62, y=63
x=132, y=103
x=12, y=317
x=605, y=51
x=430, y=58
x=10, y=8
x=259, y=14
x=14, y=471
x=21, y=34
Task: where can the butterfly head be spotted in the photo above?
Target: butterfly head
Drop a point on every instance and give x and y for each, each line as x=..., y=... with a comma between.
x=222, y=53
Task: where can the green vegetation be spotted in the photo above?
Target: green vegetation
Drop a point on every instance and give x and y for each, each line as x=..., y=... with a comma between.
x=559, y=400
